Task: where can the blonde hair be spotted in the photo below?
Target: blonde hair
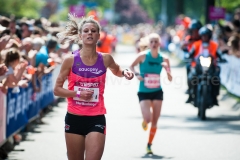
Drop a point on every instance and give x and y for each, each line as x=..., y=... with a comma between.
x=143, y=44
x=153, y=36
x=74, y=27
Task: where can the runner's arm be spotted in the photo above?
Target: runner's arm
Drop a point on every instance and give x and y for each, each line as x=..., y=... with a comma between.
x=167, y=68
x=63, y=74
x=138, y=60
x=115, y=68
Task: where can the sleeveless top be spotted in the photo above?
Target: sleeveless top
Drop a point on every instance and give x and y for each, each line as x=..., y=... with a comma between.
x=150, y=70
x=83, y=77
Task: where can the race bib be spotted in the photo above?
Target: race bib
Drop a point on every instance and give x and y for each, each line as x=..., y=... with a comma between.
x=152, y=80
x=87, y=86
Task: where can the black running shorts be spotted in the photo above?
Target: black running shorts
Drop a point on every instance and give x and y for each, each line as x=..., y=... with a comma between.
x=157, y=95
x=82, y=125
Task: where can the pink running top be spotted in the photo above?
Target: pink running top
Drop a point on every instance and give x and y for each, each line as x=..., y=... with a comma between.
x=95, y=106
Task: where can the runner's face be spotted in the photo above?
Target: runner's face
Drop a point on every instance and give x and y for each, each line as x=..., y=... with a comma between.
x=90, y=34
x=154, y=43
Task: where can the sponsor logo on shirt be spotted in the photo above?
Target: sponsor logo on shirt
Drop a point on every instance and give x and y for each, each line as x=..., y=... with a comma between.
x=92, y=70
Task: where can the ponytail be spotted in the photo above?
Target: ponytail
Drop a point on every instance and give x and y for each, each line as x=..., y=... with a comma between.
x=71, y=31
x=73, y=28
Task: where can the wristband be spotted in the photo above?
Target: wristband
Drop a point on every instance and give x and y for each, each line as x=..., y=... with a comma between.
x=137, y=74
x=168, y=69
x=78, y=94
x=123, y=71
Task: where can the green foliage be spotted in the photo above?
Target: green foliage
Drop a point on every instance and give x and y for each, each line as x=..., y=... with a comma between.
x=60, y=16
x=230, y=5
x=21, y=8
x=152, y=7
x=70, y=2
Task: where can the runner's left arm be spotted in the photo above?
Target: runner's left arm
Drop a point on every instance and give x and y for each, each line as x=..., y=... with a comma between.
x=115, y=68
x=166, y=65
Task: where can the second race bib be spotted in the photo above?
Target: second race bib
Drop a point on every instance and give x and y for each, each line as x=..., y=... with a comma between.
x=152, y=80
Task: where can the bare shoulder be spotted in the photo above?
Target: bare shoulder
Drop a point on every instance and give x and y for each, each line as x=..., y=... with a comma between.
x=68, y=60
x=107, y=59
x=143, y=53
x=106, y=55
x=141, y=56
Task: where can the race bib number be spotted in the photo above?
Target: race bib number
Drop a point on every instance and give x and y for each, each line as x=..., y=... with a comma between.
x=95, y=96
x=152, y=80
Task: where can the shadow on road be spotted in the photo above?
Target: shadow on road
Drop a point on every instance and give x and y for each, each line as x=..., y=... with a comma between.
x=154, y=156
x=220, y=125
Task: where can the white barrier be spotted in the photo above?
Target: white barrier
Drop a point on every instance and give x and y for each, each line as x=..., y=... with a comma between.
x=2, y=118
x=230, y=74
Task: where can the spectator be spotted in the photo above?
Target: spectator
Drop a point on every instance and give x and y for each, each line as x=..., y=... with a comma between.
x=222, y=45
x=12, y=62
x=3, y=71
x=37, y=45
x=4, y=41
x=234, y=43
x=105, y=43
x=4, y=21
x=26, y=30
x=14, y=30
x=43, y=55
x=26, y=46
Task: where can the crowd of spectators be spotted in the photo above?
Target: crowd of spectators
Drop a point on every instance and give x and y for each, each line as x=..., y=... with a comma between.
x=28, y=50
x=225, y=32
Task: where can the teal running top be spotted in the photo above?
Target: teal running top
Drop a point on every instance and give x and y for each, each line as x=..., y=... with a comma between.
x=150, y=70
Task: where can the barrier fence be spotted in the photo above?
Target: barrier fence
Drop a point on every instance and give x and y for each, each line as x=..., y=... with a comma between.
x=19, y=109
x=230, y=74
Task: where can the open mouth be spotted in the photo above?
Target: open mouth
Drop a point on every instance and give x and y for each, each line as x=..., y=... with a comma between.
x=90, y=38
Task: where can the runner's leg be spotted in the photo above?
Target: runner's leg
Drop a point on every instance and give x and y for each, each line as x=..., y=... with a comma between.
x=75, y=146
x=157, y=105
x=95, y=142
x=146, y=113
x=145, y=108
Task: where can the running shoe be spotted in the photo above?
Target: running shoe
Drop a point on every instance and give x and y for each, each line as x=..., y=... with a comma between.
x=149, y=150
x=144, y=125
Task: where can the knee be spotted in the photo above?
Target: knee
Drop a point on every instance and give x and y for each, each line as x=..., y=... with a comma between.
x=154, y=121
x=148, y=120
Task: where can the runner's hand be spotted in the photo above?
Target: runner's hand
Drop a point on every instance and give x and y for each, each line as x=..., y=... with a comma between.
x=128, y=74
x=86, y=95
x=140, y=78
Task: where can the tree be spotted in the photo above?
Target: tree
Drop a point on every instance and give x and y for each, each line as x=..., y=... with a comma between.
x=21, y=8
x=152, y=7
x=230, y=5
